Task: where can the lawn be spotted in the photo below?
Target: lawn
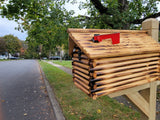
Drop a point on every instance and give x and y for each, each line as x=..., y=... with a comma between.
x=67, y=63
x=78, y=106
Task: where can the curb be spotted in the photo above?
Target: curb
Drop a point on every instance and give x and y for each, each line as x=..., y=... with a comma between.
x=55, y=105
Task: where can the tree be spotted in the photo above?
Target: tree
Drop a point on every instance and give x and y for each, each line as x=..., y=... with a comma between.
x=46, y=21
x=119, y=14
x=2, y=45
x=12, y=44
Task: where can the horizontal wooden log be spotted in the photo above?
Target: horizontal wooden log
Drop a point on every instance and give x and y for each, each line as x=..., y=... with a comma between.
x=81, y=74
x=123, y=63
x=138, y=83
x=82, y=56
x=84, y=61
x=87, y=67
x=120, y=83
x=82, y=84
x=81, y=69
x=81, y=78
x=121, y=78
x=128, y=72
x=88, y=31
x=82, y=88
x=117, y=53
x=124, y=58
x=125, y=69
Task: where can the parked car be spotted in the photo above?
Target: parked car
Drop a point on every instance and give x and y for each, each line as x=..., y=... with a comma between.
x=14, y=58
x=3, y=57
x=54, y=57
x=44, y=58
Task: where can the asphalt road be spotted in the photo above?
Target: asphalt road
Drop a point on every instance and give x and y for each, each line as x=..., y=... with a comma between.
x=22, y=92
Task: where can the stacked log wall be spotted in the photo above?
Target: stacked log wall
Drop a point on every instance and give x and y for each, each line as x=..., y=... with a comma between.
x=115, y=74
x=81, y=71
x=103, y=76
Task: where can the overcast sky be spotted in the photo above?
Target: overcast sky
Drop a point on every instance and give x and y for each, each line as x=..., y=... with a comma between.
x=8, y=27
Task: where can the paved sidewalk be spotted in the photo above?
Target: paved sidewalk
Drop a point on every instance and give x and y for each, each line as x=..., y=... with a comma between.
x=67, y=70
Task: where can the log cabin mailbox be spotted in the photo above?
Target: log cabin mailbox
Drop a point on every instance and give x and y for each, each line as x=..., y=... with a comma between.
x=122, y=62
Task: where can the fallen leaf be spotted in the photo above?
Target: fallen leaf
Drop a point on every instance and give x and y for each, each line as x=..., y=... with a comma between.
x=72, y=113
x=42, y=87
x=115, y=115
x=98, y=111
x=121, y=103
x=25, y=114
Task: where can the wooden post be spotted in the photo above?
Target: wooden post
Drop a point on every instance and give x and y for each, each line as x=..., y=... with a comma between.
x=152, y=101
x=152, y=27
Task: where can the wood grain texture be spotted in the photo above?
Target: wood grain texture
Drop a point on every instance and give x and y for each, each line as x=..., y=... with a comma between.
x=126, y=62
x=128, y=69
x=131, y=43
x=123, y=58
x=82, y=88
x=134, y=84
x=87, y=67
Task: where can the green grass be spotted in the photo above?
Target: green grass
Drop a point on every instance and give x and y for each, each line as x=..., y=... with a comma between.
x=64, y=63
x=77, y=105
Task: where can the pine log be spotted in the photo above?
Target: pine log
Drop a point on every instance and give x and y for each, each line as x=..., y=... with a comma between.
x=81, y=65
x=82, y=56
x=123, y=63
x=127, y=68
x=87, y=32
x=124, y=58
x=121, y=78
x=120, y=83
x=120, y=71
x=82, y=88
x=81, y=78
x=81, y=74
x=138, y=83
x=127, y=72
x=117, y=53
x=81, y=70
x=84, y=61
x=82, y=84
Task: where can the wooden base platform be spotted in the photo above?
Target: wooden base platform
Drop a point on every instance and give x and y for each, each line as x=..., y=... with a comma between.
x=144, y=97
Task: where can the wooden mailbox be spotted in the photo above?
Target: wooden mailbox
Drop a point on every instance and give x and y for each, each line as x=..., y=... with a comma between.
x=103, y=68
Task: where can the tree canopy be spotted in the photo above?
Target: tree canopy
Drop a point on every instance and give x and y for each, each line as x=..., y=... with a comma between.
x=10, y=44
x=119, y=14
x=46, y=21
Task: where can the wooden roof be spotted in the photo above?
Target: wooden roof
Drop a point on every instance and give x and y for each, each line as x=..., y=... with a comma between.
x=131, y=42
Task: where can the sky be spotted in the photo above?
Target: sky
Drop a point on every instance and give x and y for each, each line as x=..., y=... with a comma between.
x=8, y=27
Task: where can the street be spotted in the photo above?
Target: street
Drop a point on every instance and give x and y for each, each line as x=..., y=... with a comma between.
x=22, y=92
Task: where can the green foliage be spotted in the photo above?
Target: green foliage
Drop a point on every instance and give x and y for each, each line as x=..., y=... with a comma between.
x=118, y=14
x=2, y=45
x=46, y=22
x=12, y=44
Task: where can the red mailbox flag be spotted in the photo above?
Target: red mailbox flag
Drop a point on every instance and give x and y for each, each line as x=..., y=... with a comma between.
x=115, y=37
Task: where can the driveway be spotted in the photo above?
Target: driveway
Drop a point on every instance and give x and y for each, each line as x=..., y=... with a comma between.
x=22, y=92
